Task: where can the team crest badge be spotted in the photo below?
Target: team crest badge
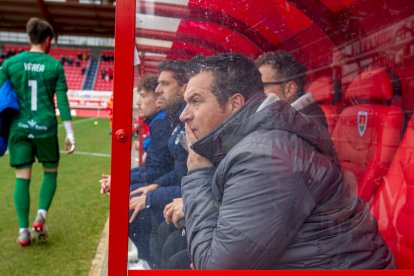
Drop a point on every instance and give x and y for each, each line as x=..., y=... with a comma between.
x=362, y=122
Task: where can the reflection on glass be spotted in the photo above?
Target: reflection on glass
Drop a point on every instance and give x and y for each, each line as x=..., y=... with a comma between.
x=346, y=67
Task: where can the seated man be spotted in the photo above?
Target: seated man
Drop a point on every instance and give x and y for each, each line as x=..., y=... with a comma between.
x=263, y=191
x=147, y=202
x=284, y=76
x=171, y=85
x=159, y=160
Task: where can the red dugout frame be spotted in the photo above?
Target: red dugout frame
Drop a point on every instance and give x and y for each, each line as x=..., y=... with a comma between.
x=121, y=136
x=121, y=155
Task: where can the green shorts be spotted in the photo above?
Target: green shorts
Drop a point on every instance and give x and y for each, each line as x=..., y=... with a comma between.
x=23, y=151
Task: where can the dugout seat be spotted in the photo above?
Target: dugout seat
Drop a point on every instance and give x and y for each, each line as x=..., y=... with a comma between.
x=327, y=94
x=406, y=78
x=393, y=204
x=367, y=133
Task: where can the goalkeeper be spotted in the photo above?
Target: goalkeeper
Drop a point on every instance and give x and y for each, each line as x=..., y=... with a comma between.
x=36, y=77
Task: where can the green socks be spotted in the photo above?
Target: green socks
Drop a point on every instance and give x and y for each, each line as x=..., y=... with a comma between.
x=47, y=190
x=22, y=201
x=22, y=196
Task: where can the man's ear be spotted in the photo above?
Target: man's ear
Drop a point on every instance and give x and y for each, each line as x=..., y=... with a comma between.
x=291, y=89
x=48, y=40
x=47, y=43
x=236, y=101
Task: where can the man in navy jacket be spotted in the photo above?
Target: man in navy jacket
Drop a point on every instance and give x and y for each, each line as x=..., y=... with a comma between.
x=159, y=160
x=147, y=202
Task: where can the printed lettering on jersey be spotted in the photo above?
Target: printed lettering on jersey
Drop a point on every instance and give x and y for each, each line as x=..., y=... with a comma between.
x=32, y=124
x=34, y=67
x=362, y=120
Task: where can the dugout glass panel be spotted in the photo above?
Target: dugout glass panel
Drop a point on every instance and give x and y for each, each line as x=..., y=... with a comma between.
x=337, y=42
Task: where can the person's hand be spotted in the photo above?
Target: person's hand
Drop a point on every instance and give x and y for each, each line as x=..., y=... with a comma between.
x=174, y=212
x=144, y=190
x=136, y=145
x=105, y=184
x=137, y=204
x=69, y=145
x=194, y=160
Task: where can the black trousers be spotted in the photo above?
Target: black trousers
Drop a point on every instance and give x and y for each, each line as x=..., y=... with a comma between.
x=170, y=248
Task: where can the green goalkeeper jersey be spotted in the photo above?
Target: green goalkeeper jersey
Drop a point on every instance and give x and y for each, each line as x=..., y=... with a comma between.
x=36, y=77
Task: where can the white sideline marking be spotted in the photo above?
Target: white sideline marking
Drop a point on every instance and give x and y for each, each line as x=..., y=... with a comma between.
x=88, y=153
x=80, y=121
x=82, y=152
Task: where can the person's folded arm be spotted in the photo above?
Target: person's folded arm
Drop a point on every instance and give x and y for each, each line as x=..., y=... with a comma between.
x=262, y=208
x=175, y=175
x=159, y=160
x=162, y=196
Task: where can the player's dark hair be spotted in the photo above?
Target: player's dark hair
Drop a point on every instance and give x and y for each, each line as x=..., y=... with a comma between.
x=148, y=83
x=178, y=69
x=38, y=30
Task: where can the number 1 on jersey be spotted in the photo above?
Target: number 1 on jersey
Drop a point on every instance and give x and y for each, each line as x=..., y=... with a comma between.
x=33, y=86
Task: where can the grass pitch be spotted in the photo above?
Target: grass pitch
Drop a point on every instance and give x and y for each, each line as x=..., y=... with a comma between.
x=78, y=212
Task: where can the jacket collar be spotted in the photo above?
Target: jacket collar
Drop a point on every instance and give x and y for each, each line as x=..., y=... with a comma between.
x=263, y=113
x=159, y=115
x=149, y=119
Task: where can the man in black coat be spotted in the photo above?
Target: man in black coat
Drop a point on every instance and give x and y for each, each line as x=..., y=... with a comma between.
x=264, y=189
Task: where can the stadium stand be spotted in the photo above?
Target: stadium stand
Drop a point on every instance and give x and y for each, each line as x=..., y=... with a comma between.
x=11, y=50
x=74, y=61
x=393, y=206
x=367, y=133
x=104, y=80
x=90, y=75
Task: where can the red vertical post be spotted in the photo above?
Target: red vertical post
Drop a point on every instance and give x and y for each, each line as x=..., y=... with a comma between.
x=121, y=137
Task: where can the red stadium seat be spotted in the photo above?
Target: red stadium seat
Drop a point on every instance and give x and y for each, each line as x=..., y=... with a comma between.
x=73, y=73
x=393, y=205
x=102, y=84
x=324, y=92
x=406, y=76
x=367, y=135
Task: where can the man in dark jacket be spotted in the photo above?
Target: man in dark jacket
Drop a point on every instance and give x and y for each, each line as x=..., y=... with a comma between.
x=159, y=160
x=263, y=189
x=147, y=203
x=285, y=76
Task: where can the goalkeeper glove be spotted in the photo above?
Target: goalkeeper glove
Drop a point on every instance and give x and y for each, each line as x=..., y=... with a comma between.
x=70, y=137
